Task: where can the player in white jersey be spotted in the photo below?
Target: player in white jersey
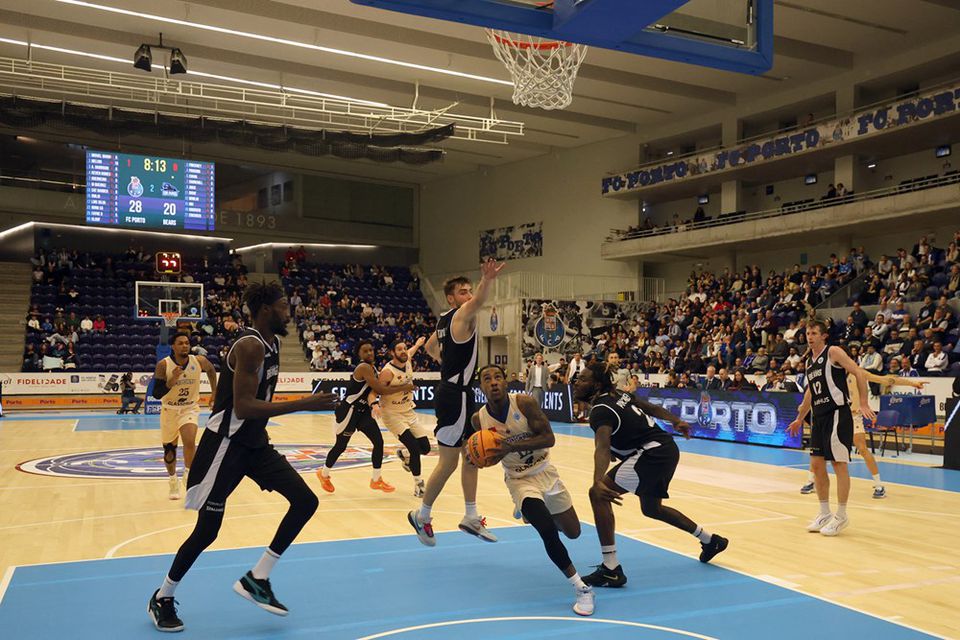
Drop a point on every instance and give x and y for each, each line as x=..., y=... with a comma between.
x=397, y=412
x=533, y=482
x=176, y=383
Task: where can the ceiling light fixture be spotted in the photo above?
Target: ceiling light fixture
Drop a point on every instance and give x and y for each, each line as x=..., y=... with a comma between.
x=293, y=43
x=201, y=74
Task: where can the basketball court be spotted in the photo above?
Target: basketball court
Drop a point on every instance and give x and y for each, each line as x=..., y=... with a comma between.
x=87, y=528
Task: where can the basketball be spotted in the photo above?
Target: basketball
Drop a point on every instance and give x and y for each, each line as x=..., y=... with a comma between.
x=478, y=446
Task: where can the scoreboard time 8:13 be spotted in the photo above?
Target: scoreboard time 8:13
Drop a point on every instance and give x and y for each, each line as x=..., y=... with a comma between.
x=149, y=192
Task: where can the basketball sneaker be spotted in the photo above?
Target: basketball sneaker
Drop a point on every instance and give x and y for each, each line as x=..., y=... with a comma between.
x=584, y=604
x=424, y=529
x=807, y=488
x=382, y=485
x=163, y=613
x=259, y=593
x=819, y=522
x=174, y=486
x=418, y=489
x=879, y=492
x=604, y=577
x=404, y=459
x=477, y=526
x=325, y=482
x=835, y=526
x=709, y=549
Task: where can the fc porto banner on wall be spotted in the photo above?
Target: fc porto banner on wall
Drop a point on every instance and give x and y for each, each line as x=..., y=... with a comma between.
x=569, y=326
x=933, y=104
x=756, y=417
x=512, y=243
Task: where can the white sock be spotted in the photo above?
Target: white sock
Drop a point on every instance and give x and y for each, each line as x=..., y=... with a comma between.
x=325, y=471
x=167, y=588
x=172, y=475
x=876, y=480
x=263, y=568
x=824, y=507
x=416, y=479
x=609, y=556
x=375, y=475
x=810, y=477
x=841, y=511
x=471, y=509
x=424, y=514
x=577, y=581
x=702, y=534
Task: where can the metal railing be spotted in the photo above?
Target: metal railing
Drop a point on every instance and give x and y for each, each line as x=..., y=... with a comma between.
x=554, y=286
x=723, y=220
x=46, y=81
x=839, y=297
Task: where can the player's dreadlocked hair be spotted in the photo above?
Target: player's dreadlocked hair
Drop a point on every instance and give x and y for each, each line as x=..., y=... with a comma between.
x=261, y=294
x=600, y=373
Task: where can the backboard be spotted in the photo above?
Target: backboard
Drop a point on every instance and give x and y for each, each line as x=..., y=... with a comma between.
x=732, y=35
x=156, y=298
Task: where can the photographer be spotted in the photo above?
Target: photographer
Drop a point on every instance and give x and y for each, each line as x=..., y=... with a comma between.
x=128, y=394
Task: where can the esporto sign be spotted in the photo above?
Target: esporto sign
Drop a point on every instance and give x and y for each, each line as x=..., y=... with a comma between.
x=934, y=104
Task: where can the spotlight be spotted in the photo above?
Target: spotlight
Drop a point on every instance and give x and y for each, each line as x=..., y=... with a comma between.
x=178, y=62
x=143, y=58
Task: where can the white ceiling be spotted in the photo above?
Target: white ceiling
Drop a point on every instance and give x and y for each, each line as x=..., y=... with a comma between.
x=616, y=94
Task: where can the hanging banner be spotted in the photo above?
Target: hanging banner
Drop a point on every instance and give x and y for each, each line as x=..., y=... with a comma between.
x=512, y=243
x=570, y=326
x=933, y=104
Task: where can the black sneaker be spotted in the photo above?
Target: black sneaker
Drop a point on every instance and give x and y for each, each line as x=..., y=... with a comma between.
x=712, y=548
x=163, y=613
x=259, y=593
x=604, y=577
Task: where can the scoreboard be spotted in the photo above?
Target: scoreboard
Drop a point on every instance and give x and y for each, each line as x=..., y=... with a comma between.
x=149, y=192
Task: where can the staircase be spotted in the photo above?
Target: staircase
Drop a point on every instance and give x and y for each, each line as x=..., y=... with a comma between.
x=291, y=355
x=15, y=294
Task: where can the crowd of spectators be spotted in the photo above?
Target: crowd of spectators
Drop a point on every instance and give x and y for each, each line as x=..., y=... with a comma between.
x=334, y=306
x=732, y=325
x=82, y=308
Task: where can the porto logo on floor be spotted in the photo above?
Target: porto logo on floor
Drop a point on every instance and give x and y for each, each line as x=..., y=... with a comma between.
x=147, y=462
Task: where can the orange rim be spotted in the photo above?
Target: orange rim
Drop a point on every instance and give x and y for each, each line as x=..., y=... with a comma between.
x=549, y=44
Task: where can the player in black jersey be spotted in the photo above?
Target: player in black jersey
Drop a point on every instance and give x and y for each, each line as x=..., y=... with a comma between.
x=353, y=414
x=648, y=457
x=454, y=345
x=235, y=445
x=831, y=433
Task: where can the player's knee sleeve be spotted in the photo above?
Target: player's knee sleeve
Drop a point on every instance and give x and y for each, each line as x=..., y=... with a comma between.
x=424, y=443
x=170, y=452
x=537, y=514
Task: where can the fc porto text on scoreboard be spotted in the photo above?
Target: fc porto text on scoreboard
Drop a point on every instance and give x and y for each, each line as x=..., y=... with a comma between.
x=149, y=192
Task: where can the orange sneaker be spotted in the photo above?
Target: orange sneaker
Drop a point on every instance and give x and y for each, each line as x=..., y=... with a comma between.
x=382, y=485
x=325, y=482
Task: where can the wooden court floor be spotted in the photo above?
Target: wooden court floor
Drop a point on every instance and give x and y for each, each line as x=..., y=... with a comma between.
x=897, y=560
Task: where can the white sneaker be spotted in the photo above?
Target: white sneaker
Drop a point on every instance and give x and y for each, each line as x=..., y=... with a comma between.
x=835, y=526
x=819, y=522
x=174, y=485
x=477, y=526
x=584, y=604
x=418, y=489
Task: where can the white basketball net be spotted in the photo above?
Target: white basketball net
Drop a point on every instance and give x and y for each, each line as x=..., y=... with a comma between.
x=543, y=71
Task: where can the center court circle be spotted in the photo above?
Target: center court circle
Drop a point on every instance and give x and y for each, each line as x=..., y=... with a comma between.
x=144, y=463
x=492, y=627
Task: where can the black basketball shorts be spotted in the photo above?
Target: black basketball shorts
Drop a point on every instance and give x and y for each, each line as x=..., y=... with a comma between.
x=648, y=472
x=831, y=436
x=454, y=407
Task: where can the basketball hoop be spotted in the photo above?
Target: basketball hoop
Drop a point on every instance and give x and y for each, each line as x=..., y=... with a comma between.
x=170, y=318
x=543, y=71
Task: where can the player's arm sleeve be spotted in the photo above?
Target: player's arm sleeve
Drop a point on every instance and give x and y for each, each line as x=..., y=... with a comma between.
x=160, y=387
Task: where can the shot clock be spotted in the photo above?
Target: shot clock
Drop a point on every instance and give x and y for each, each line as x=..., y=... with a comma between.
x=168, y=263
x=149, y=192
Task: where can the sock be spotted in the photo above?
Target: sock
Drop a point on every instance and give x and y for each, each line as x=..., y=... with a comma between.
x=424, y=514
x=471, y=509
x=416, y=479
x=325, y=471
x=610, y=556
x=825, y=507
x=841, y=511
x=876, y=480
x=167, y=588
x=375, y=475
x=702, y=534
x=810, y=477
x=172, y=475
x=263, y=568
x=577, y=581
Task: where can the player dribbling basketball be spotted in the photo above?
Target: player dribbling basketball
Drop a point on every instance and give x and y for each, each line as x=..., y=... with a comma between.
x=533, y=482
